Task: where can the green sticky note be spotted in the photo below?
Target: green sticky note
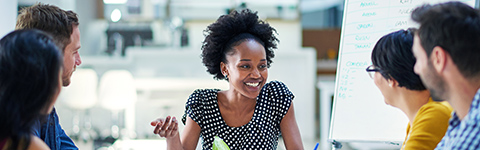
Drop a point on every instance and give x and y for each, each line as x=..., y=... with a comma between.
x=219, y=144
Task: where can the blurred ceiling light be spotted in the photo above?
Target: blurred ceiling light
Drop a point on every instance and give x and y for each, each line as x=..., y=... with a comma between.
x=116, y=15
x=114, y=1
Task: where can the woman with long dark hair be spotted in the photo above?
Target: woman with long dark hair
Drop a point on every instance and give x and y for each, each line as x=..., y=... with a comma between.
x=30, y=81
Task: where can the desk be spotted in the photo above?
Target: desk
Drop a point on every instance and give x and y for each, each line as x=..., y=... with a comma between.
x=140, y=144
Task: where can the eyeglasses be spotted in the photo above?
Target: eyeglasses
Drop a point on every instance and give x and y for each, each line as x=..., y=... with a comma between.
x=371, y=71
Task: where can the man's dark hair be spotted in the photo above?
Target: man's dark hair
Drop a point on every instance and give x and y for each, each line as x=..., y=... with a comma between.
x=50, y=19
x=393, y=56
x=30, y=65
x=455, y=27
x=231, y=30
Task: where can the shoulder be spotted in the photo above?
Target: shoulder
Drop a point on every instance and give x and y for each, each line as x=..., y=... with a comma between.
x=202, y=94
x=429, y=126
x=275, y=84
x=436, y=109
x=276, y=88
x=276, y=96
x=433, y=116
x=4, y=143
x=198, y=102
x=37, y=144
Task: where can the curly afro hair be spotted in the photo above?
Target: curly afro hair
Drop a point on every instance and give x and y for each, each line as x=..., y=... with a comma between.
x=231, y=30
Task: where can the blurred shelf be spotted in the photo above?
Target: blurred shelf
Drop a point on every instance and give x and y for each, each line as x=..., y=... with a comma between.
x=326, y=66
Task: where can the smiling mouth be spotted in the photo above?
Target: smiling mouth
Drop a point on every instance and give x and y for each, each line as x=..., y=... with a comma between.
x=252, y=84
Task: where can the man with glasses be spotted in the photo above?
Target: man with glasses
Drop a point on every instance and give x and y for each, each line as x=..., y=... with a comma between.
x=392, y=72
x=447, y=48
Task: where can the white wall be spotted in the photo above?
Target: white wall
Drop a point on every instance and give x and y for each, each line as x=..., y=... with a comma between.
x=89, y=35
x=8, y=11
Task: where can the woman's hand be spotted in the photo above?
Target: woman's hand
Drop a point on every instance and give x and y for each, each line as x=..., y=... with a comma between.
x=167, y=127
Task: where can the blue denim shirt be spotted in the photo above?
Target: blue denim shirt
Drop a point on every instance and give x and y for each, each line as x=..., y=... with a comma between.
x=50, y=131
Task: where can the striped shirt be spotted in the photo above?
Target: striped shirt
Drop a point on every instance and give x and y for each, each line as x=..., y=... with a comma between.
x=463, y=134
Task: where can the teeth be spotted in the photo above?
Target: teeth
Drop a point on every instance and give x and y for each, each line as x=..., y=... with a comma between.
x=252, y=84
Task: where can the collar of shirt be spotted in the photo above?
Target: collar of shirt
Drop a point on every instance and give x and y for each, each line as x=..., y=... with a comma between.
x=473, y=114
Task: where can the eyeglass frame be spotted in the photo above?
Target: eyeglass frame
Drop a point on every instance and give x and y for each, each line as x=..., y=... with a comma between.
x=371, y=69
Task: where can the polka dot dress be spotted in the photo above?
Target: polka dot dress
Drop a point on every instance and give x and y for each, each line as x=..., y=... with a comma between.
x=261, y=132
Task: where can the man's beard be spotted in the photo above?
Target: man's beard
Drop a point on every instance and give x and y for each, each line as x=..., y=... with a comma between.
x=434, y=83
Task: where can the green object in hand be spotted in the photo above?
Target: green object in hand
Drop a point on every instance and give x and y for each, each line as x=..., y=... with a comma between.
x=219, y=144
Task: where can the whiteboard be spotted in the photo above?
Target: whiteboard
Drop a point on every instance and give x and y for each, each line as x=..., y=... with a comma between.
x=359, y=112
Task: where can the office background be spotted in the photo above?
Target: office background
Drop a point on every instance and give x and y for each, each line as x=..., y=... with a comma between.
x=153, y=47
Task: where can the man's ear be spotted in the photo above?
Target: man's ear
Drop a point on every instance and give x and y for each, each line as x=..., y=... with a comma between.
x=438, y=58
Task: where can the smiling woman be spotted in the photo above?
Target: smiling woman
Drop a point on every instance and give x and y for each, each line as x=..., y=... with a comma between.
x=252, y=113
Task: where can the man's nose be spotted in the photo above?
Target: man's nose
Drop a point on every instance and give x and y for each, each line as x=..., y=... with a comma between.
x=78, y=60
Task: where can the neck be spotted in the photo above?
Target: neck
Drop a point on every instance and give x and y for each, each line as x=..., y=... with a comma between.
x=410, y=101
x=460, y=95
x=235, y=101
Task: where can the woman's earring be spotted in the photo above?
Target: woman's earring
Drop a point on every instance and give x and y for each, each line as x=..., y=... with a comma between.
x=226, y=77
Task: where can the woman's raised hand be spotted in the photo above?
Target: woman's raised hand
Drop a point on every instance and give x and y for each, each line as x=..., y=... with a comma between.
x=167, y=127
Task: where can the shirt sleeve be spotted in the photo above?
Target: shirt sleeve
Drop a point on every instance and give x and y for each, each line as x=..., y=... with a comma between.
x=62, y=139
x=428, y=128
x=194, y=107
x=66, y=142
x=280, y=98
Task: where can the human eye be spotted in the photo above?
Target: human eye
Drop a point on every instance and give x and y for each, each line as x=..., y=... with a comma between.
x=263, y=66
x=73, y=51
x=244, y=66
